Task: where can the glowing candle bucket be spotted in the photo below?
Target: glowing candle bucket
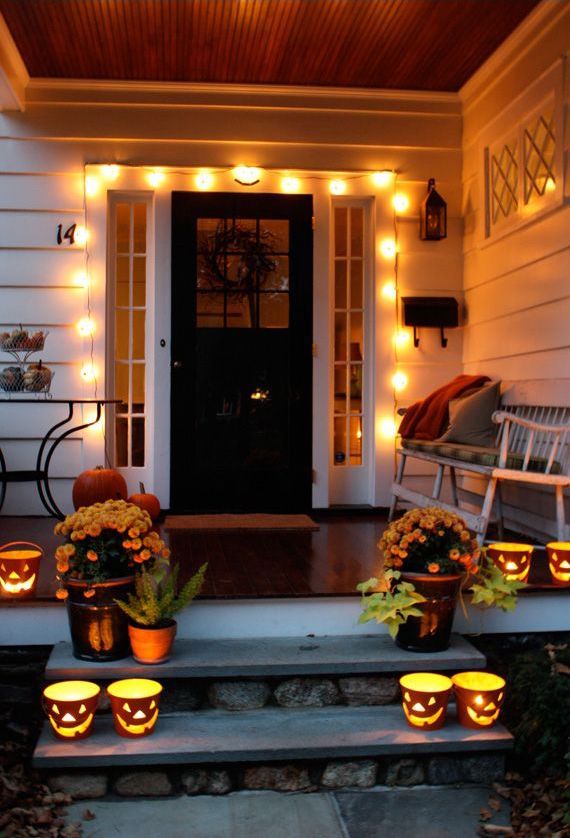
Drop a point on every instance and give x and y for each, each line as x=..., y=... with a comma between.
x=134, y=703
x=559, y=562
x=480, y=696
x=424, y=699
x=19, y=568
x=70, y=707
x=512, y=559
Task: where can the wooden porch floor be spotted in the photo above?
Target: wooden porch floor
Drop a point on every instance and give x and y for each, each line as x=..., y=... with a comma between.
x=329, y=562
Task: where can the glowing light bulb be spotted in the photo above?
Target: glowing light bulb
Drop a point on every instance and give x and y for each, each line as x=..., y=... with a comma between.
x=155, y=178
x=479, y=700
x=88, y=372
x=389, y=290
x=400, y=202
x=81, y=280
x=337, y=187
x=96, y=427
x=359, y=434
x=81, y=235
x=401, y=339
x=399, y=381
x=388, y=427
x=204, y=180
x=110, y=171
x=86, y=327
x=290, y=184
x=550, y=185
x=92, y=185
x=382, y=179
x=247, y=175
x=388, y=248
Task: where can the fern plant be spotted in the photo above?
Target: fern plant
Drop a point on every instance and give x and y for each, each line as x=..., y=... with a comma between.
x=156, y=598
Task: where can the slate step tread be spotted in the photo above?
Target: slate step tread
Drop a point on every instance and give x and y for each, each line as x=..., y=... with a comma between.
x=214, y=736
x=273, y=656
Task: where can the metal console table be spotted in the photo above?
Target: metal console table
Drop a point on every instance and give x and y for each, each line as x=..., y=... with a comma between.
x=48, y=446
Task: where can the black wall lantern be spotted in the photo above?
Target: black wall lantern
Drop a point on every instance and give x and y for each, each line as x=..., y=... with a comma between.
x=433, y=215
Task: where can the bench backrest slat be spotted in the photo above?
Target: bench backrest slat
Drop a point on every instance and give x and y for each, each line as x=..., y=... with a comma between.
x=546, y=446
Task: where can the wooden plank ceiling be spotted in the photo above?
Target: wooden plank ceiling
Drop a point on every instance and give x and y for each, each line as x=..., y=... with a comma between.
x=400, y=44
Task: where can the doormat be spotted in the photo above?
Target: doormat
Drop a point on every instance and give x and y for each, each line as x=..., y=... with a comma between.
x=255, y=521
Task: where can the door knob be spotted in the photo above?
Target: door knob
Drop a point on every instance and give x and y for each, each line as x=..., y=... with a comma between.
x=177, y=364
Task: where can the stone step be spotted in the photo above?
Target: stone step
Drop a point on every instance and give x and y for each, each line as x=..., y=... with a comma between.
x=213, y=736
x=273, y=656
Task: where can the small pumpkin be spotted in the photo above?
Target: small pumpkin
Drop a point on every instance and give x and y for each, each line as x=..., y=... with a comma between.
x=145, y=500
x=97, y=485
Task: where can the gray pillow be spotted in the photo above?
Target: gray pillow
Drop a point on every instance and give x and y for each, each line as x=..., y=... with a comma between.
x=470, y=420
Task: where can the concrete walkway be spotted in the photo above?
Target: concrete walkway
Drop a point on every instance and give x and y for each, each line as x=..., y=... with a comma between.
x=398, y=813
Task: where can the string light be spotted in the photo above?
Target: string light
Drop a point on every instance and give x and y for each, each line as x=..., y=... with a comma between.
x=388, y=248
x=92, y=185
x=81, y=280
x=337, y=187
x=110, y=171
x=388, y=427
x=400, y=202
x=401, y=339
x=383, y=178
x=389, y=290
x=399, y=381
x=247, y=175
x=155, y=178
x=86, y=327
x=204, y=180
x=290, y=184
x=88, y=372
x=81, y=235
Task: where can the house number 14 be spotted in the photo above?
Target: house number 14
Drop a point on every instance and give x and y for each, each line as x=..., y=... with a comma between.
x=69, y=234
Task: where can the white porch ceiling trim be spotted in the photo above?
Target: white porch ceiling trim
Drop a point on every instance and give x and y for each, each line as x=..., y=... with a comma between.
x=533, y=28
x=14, y=77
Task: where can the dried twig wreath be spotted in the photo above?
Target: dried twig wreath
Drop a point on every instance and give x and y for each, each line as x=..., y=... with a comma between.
x=256, y=260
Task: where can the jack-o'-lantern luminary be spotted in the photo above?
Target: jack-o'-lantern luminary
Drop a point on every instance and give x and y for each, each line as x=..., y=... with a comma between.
x=70, y=707
x=513, y=560
x=424, y=699
x=134, y=703
x=19, y=567
x=480, y=696
x=559, y=562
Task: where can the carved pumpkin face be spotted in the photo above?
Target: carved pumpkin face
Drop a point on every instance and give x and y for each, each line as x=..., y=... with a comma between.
x=19, y=565
x=424, y=699
x=512, y=559
x=480, y=696
x=70, y=707
x=134, y=703
x=559, y=562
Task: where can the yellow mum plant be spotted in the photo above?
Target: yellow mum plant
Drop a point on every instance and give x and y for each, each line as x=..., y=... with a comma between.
x=106, y=541
x=429, y=540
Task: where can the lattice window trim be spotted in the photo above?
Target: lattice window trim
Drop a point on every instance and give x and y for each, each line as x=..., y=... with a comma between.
x=532, y=173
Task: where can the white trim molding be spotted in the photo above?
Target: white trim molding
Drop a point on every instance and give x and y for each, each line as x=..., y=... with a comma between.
x=14, y=77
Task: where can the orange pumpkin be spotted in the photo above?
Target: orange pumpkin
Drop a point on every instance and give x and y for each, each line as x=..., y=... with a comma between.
x=146, y=501
x=97, y=485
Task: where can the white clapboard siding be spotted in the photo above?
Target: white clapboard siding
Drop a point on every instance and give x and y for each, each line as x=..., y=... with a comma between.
x=430, y=349
x=547, y=364
x=16, y=229
x=31, y=419
x=410, y=242
x=41, y=305
x=42, y=192
x=21, y=454
x=429, y=272
x=530, y=286
x=22, y=499
x=57, y=267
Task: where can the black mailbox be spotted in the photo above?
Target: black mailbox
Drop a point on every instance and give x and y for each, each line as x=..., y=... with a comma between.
x=430, y=313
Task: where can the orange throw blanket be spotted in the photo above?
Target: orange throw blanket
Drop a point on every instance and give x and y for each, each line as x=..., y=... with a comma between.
x=429, y=418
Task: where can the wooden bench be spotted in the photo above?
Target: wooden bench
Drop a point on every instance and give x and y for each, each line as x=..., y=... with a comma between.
x=531, y=448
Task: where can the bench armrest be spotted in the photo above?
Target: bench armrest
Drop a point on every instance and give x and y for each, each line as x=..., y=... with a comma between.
x=500, y=416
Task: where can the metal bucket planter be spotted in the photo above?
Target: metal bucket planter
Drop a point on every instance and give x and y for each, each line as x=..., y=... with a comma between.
x=99, y=629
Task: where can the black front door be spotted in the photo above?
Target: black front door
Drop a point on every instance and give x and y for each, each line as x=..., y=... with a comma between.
x=241, y=352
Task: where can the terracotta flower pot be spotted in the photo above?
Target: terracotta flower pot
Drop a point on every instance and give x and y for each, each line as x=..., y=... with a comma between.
x=99, y=629
x=432, y=631
x=152, y=644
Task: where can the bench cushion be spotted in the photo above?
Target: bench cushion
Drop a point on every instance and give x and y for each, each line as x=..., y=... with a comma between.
x=478, y=455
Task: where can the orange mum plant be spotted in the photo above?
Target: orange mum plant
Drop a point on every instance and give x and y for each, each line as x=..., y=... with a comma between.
x=106, y=541
x=430, y=540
